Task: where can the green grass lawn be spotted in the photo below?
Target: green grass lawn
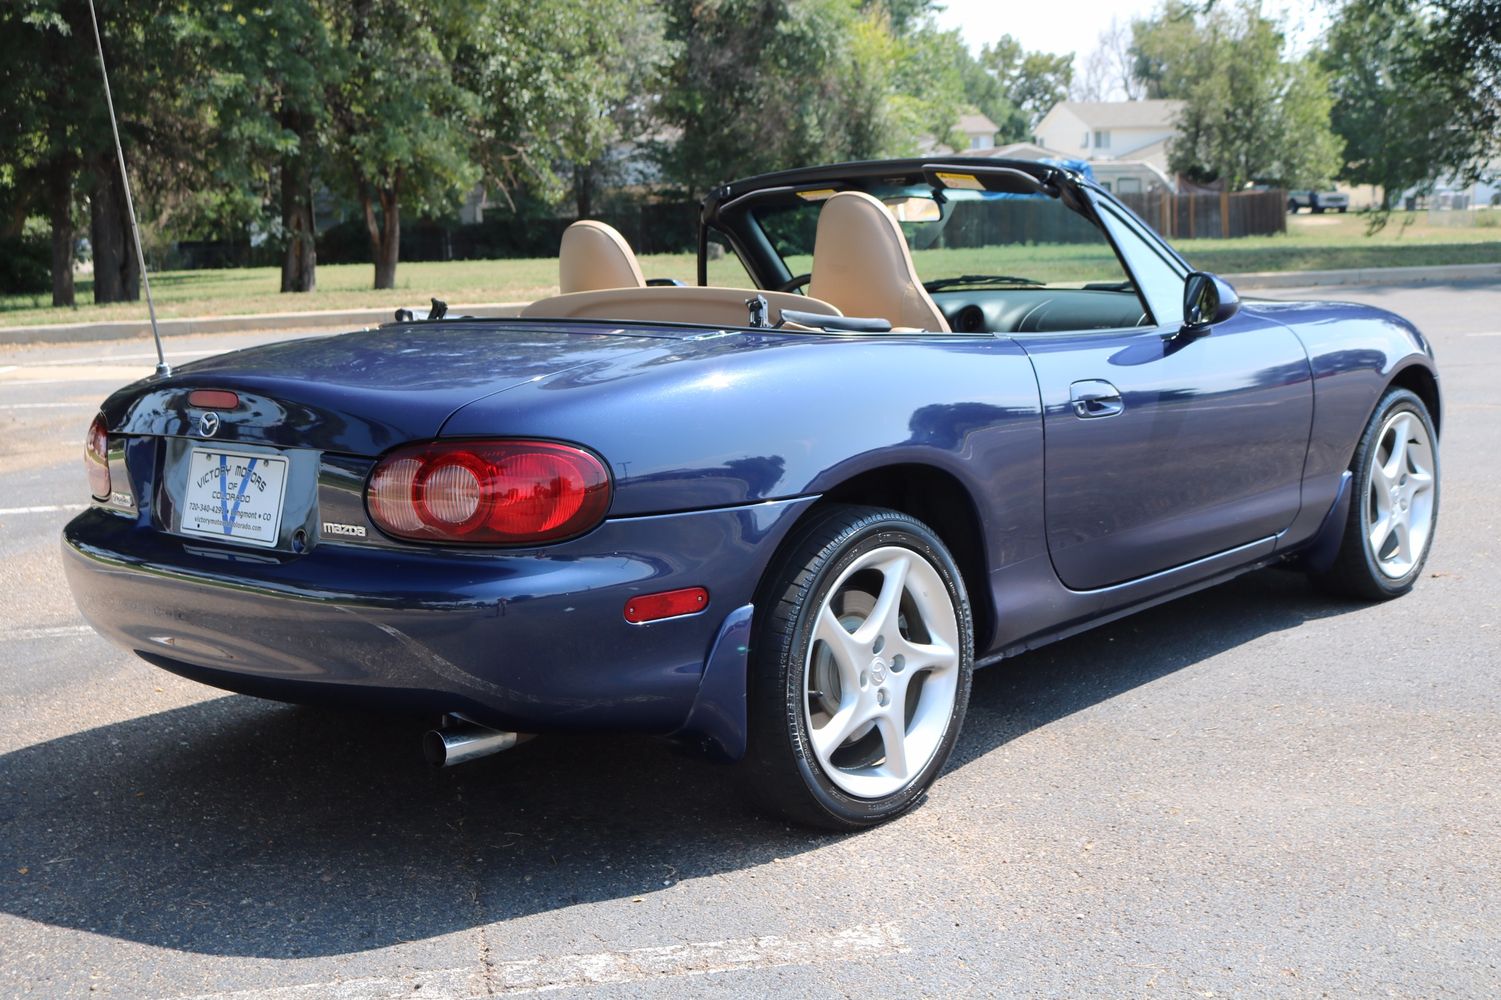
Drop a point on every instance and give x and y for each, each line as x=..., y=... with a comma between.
x=1311, y=243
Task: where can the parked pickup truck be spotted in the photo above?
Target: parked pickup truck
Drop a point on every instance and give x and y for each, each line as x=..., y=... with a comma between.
x=1317, y=201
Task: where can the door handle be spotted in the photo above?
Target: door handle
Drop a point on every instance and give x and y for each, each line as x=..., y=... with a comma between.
x=1095, y=398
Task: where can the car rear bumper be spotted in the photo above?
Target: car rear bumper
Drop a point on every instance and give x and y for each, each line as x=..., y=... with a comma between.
x=530, y=641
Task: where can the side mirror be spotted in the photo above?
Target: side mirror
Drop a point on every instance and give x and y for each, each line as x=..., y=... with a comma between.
x=1207, y=300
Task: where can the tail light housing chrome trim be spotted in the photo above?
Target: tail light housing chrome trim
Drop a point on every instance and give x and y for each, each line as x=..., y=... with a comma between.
x=493, y=492
x=96, y=458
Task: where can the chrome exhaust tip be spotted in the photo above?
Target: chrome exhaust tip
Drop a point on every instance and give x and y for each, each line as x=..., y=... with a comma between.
x=460, y=740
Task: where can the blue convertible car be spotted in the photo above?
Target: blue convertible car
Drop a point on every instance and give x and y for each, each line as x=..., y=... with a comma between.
x=959, y=409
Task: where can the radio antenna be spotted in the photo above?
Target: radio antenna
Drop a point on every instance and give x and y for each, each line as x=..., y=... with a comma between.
x=162, y=368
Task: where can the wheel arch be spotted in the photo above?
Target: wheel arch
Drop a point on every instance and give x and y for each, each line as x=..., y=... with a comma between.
x=1419, y=380
x=940, y=500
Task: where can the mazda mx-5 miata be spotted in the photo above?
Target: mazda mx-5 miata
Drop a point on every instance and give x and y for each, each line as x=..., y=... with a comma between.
x=959, y=409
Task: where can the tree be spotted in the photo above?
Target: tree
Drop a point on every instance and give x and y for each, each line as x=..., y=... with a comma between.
x=269, y=65
x=1461, y=58
x=617, y=106
x=1032, y=81
x=903, y=86
x=1108, y=71
x=41, y=164
x=1417, y=90
x=1393, y=118
x=63, y=146
x=754, y=86
x=402, y=124
x=987, y=94
x=1249, y=113
x=560, y=85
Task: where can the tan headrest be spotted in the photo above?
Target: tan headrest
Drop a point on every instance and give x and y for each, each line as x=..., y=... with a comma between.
x=594, y=256
x=861, y=264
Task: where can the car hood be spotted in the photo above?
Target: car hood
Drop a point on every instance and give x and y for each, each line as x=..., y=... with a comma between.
x=361, y=393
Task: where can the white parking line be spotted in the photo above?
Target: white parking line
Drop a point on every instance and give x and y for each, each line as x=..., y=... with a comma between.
x=540, y=975
x=133, y=357
x=1487, y=333
x=117, y=379
x=55, y=632
x=46, y=406
x=52, y=509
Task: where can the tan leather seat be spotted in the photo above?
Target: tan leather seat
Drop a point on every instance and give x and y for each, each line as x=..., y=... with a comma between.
x=862, y=266
x=594, y=256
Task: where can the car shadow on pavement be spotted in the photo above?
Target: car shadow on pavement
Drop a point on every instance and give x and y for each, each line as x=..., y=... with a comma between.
x=242, y=827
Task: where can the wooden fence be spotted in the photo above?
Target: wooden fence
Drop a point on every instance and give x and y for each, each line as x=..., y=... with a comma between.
x=1213, y=215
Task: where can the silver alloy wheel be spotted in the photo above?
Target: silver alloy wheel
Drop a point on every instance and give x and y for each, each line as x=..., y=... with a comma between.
x=882, y=672
x=1400, y=495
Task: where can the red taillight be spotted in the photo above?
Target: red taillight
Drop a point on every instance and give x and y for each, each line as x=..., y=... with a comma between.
x=96, y=458
x=488, y=492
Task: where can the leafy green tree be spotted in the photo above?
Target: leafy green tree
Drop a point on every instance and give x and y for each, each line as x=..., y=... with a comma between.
x=987, y=95
x=754, y=86
x=61, y=146
x=560, y=85
x=42, y=113
x=268, y=65
x=901, y=87
x=1392, y=117
x=759, y=85
x=1032, y=81
x=402, y=124
x=1249, y=112
x=615, y=106
x=1417, y=89
x=1165, y=51
x=1461, y=58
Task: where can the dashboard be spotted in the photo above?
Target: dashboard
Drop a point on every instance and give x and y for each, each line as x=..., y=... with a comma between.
x=1041, y=310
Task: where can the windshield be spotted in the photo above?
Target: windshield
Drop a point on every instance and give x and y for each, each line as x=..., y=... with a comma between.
x=979, y=239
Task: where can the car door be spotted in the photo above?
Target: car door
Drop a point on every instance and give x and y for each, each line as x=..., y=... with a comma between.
x=1161, y=447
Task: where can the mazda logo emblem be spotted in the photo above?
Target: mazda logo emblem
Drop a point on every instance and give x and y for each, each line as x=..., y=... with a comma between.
x=208, y=424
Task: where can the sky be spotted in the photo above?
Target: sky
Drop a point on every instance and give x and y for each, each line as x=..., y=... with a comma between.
x=1075, y=25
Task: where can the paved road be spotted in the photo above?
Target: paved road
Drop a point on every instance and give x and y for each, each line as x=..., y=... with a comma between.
x=1255, y=791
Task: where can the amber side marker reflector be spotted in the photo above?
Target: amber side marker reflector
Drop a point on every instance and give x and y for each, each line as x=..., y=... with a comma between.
x=213, y=399
x=668, y=604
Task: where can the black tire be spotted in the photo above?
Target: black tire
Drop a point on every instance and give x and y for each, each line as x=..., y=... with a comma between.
x=781, y=767
x=1356, y=571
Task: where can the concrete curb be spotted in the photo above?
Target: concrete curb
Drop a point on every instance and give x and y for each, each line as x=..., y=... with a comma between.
x=348, y=319
x=67, y=333
x=1366, y=276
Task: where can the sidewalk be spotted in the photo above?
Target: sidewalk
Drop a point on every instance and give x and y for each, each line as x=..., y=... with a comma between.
x=345, y=319
x=1366, y=276
x=354, y=319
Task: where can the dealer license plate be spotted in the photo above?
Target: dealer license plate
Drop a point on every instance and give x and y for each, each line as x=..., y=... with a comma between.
x=234, y=495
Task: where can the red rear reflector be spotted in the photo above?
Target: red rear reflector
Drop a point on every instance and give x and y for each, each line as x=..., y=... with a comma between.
x=213, y=399
x=668, y=604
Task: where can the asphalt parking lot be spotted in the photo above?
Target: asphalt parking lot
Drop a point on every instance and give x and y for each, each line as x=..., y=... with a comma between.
x=1255, y=791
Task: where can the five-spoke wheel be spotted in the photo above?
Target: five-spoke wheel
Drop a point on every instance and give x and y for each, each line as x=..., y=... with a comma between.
x=861, y=669
x=1395, y=504
x=881, y=674
x=1401, y=494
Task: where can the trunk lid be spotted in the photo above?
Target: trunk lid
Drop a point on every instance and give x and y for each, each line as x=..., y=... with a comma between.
x=362, y=393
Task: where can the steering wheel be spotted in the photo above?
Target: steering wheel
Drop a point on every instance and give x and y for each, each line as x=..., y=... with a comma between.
x=794, y=283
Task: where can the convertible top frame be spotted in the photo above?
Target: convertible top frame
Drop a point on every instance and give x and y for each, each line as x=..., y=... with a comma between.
x=727, y=204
